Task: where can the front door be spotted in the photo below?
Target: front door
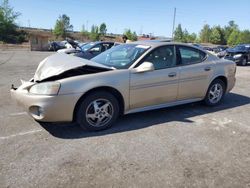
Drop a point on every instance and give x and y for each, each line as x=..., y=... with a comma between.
x=158, y=86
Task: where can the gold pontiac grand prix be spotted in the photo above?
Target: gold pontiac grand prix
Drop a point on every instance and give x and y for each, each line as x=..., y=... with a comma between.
x=128, y=78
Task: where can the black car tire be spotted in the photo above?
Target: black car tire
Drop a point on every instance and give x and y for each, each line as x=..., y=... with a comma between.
x=208, y=101
x=88, y=115
x=244, y=61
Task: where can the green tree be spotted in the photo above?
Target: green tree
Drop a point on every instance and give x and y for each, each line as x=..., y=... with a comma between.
x=131, y=35
x=62, y=26
x=205, y=34
x=217, y=35
x=84, y=32
x=7, y=23
x=94, y=33
x=233, y=37
x=244, y=37
x=230, y=28
x=190, y=38
x=103, y=29
x=179, y=34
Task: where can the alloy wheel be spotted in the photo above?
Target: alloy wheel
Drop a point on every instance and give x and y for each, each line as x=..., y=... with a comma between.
x=99, y=112
x=215, y=93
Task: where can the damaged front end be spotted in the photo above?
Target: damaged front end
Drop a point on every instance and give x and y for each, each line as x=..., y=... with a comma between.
x=40, y=96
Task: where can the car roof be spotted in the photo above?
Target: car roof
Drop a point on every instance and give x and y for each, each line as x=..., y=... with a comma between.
x=154, y=44
x=101, y=42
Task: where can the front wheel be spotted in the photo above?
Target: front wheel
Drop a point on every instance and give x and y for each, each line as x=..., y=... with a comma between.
x=98, y=111
x=215, y=93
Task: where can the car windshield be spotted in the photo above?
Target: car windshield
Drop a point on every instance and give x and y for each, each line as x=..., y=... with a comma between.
x=122, y=56
x=87, y=46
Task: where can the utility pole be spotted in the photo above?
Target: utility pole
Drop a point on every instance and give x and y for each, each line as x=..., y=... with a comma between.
x=173, y=24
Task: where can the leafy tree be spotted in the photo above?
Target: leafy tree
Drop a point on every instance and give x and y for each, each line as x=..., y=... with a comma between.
x=183, y=36
x=178, y=34
x=244, y=37
x=205, y=33
x=62, y=26
x=103, y=29
x=217, y=35
x=233, y=37
x=7, y=24
x=131, y=35
x=229, y=29
x=190, y=37
x=94, y=33
x=84, y=32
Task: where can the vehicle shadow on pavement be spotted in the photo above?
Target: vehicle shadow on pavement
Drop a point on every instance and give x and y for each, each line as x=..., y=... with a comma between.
x=146, y=119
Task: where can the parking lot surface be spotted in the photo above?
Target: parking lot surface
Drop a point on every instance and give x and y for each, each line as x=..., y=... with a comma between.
x=185, y=146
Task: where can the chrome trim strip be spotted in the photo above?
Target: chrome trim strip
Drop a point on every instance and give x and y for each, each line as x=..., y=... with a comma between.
x=193, y=78
x=135, y=87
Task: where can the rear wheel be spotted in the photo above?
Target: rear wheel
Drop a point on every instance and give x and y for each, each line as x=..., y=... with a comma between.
x=215, y=93
x=97, y=111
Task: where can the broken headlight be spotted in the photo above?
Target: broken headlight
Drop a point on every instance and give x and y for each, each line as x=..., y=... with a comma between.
x=46, y=88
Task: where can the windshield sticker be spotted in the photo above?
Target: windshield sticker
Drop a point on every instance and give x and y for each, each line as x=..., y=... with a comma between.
x=142, y=46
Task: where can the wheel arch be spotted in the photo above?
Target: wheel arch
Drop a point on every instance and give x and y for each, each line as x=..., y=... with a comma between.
x=108, y=89
x=222, y=78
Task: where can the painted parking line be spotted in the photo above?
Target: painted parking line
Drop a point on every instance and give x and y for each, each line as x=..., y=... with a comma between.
x=20, y=134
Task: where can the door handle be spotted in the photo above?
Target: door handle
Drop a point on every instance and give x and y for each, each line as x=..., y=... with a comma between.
x=172, y=74
x=207, y=69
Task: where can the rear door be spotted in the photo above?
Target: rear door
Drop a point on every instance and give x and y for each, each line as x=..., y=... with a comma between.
x=195, y=72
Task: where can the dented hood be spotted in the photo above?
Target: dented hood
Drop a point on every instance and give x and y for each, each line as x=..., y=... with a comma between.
x=59, y=63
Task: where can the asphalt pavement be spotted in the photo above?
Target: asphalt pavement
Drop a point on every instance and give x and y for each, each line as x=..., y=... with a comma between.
x=185, y=146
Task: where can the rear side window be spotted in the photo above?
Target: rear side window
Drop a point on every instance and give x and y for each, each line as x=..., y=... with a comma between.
x=190, y=55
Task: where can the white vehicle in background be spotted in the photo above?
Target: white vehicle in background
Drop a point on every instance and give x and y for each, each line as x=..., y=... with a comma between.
x=73, y=49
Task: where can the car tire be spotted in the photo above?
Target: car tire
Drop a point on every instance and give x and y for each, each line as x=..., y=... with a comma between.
x=215, y=93
x=244, y=62
x=97, y=111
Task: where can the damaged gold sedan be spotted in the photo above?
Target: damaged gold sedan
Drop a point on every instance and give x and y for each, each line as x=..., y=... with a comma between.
x=126, y=79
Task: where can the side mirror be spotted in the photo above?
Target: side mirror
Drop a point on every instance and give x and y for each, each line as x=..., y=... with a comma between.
x=145, y=67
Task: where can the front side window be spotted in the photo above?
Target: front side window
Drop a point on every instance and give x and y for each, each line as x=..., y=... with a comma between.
x=163, y=57
x=190, y=55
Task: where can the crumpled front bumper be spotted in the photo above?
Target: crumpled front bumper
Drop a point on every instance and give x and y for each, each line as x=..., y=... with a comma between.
x=46, y=108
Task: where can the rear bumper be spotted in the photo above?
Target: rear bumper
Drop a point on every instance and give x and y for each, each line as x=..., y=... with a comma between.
x=230, y=83
x=45, y=108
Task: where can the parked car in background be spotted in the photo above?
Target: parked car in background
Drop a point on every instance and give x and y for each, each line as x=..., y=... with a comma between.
x=197, y=45
x=93, y=49
x=56, y=45
x=126, y=79
x=220, y=51
x=208, y=49
x=240, y=54
x=77, y=48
